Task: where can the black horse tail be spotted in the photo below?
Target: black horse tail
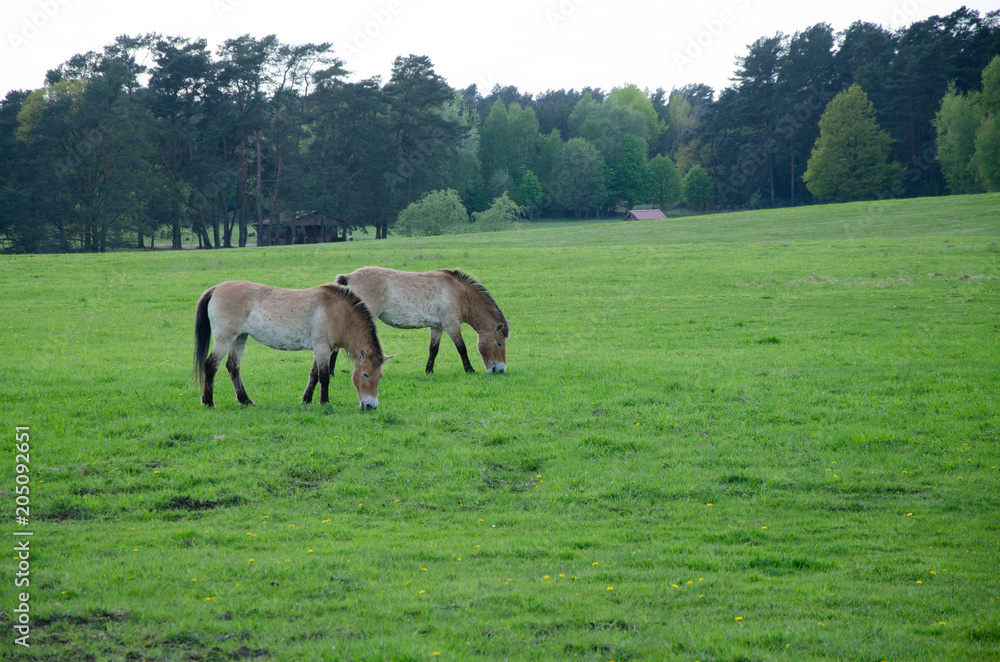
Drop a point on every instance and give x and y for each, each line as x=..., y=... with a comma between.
x=342, y=280
x=202, y=335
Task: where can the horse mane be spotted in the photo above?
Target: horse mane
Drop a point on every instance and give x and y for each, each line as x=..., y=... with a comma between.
x=378, y=356
x=483, y=293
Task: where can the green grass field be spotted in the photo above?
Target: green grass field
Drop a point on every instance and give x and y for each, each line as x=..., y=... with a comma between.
x=757, y=436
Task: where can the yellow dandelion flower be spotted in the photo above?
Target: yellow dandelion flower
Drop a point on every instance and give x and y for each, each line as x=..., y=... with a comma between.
x=739, y=618
x=611, y=588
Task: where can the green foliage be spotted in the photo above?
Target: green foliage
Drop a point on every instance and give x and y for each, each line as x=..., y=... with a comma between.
x=530, y=193
x=502, y=215
x=509, y=141
x=697, y=187
x=702, y=411
x=629, y=179
x=631, y=97
x=665, y=181
x=956, y=123
x=438, y=212
x=850, y=160
x=606, y=124
x=987, y=157
x=991, y=86
x=580, y=177
x=986, y=160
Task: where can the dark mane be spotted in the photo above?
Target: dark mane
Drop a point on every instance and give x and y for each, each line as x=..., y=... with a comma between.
x=483, y=293
x=378, y=356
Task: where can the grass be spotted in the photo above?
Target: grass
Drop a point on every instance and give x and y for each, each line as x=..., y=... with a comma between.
x=767, y=435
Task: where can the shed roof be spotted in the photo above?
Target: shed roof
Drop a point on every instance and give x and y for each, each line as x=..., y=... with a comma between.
x=644, y=215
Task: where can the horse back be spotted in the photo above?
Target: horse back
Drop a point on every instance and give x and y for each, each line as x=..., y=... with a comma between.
x=405, y=299
x=278, y=317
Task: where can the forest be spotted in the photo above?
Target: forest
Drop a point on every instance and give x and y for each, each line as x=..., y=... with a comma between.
x=156, y=136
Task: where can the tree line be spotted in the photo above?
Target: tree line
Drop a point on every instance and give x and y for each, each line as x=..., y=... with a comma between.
x=156, y=134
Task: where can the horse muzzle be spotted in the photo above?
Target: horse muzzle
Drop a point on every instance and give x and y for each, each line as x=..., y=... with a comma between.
x=496, y=367
x=368, y=403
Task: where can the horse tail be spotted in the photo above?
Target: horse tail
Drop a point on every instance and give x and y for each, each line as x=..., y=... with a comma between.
x=342, y=280
x=202, y=335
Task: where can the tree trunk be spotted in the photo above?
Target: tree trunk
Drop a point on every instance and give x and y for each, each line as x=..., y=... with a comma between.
x=259, y=208
x=791, y=152
x=241, y=193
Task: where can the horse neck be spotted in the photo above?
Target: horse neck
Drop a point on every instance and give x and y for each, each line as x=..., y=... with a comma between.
x=353, y=326
x=477, y=313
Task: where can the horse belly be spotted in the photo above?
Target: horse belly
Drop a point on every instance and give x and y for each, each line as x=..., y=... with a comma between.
x=278, y=334
x=409, y=317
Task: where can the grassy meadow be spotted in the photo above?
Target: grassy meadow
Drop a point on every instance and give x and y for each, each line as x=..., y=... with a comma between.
x=769, y=435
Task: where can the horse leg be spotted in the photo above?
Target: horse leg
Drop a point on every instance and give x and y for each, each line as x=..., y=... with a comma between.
x=307, y=396
x=314, y=377
x=211, y=367
x=433, y=351
x=233, y=366
x=212, y=363
x=322, y=361
x=456, y=337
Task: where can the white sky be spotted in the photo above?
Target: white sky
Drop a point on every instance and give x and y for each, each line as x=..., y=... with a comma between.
x=549, y=44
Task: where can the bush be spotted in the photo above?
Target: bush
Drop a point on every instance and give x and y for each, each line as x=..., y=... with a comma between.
x=438, y=212
x=502, y=215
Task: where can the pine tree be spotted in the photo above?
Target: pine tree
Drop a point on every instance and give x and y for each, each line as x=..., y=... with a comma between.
x=850, y=160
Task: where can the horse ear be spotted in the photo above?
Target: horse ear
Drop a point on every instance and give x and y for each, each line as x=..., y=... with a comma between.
x=387, y=358
x=362, y=355
x=500, y=327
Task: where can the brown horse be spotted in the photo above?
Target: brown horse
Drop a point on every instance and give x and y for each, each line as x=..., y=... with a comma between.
x=322, y=319
x=442, y=300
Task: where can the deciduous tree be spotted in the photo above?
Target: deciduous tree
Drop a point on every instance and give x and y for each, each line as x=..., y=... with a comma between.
x=850, y=160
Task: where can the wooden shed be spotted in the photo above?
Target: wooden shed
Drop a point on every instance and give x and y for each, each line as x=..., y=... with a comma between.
x=644, y=215
x=303, y=227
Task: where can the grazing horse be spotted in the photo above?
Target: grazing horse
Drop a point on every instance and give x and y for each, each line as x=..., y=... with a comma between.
x=442, y=300
x=322, y=319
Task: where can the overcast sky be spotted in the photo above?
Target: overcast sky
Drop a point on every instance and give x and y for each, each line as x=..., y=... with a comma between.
x=548, y=44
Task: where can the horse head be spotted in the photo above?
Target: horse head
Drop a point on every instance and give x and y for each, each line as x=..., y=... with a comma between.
x=366, y=376
x=493, y=347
